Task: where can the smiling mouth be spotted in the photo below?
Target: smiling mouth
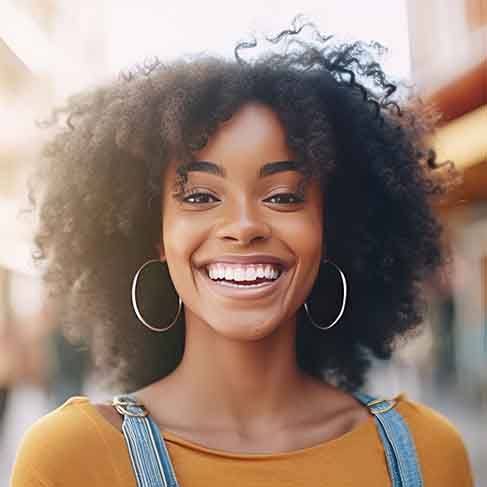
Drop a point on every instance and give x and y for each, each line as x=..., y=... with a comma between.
x=254, y=283
x=258, y=288
x=259, y=282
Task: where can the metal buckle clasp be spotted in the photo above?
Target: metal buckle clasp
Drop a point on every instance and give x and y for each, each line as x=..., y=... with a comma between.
x=391, y=404
x=121, y=406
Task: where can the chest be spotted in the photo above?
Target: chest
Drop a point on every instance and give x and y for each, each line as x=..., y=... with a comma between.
x=282, y=440
x=347, y=460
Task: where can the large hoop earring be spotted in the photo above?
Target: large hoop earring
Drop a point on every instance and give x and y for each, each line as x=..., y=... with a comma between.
x=134, y=298
x=342, y=308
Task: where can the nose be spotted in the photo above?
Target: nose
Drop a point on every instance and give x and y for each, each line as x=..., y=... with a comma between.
x=244, y=223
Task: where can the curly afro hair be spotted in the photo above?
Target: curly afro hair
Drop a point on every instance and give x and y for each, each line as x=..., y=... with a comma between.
x=101, y=172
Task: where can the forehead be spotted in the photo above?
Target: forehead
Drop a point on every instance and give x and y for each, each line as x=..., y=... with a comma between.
x=252, y=131
x=248, y=147
x=251, y=143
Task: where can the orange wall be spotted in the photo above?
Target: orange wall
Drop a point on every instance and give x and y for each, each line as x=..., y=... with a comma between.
x=448, y=42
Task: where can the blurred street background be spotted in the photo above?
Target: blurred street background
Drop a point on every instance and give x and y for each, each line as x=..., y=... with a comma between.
x=50, y=49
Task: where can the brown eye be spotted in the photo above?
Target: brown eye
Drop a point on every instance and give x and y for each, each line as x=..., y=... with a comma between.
x=199, y=197
x=286, y=198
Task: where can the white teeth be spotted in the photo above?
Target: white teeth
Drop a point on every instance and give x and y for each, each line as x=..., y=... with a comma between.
x=239, y=274
x=242, y=273
x=250, y=275
x=268, y=272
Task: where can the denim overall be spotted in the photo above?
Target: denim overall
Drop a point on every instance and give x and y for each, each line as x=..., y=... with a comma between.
x=153, y=468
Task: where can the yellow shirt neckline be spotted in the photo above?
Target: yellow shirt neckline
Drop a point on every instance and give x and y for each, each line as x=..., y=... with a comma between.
x=360, y=432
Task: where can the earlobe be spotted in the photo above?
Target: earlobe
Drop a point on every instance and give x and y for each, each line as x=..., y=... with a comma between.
x=160, y=251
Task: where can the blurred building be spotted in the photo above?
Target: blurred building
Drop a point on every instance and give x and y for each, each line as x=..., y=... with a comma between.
x=42, y=57
x=449, y=67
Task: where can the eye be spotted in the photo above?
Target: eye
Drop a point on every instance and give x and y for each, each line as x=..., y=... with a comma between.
x=290, y=198
x=198, y=197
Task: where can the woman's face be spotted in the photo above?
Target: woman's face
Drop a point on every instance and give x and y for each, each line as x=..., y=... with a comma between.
x=245, y=198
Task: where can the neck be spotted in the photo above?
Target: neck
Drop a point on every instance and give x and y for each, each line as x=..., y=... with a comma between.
x=239, y=385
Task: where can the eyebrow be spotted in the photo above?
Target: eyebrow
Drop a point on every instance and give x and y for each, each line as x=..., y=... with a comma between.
x=266, y=170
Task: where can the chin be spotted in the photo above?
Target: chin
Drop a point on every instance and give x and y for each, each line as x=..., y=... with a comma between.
x=244, y=329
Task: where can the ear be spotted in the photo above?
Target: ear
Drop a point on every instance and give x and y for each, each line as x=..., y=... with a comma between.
x=160, y=251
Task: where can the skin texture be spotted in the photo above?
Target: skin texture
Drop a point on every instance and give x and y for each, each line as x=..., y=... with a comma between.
x=243, y=222
x=238, y=384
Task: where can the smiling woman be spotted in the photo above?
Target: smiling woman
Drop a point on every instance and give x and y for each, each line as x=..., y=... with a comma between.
x=272, y=219
x=239, y=207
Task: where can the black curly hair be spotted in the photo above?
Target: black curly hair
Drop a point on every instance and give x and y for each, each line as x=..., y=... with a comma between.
x=101, y=173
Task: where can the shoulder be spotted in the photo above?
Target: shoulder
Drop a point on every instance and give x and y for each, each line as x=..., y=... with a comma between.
x=428, y=424
x=70, y=436
x=72, y=420
x=439, y=444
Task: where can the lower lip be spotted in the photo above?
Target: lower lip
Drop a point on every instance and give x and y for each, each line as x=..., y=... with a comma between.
x=245, y=291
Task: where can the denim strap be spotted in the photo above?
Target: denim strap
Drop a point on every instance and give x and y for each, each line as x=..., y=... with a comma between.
x=148, y=453
x=402, y=460
x=153, y=468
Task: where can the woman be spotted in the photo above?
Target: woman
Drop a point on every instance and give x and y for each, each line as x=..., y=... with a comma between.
x=237, y=239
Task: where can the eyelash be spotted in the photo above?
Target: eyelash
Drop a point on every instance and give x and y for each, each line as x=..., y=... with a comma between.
x=192, y=193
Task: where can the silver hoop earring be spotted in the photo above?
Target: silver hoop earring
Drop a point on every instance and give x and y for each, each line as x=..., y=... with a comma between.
x=134, y=297
x=342, y=308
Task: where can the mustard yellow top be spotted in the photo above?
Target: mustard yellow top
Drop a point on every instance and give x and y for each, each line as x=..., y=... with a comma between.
x=75, y=446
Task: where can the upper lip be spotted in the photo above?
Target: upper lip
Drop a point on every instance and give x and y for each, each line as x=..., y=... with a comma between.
x=246, y=259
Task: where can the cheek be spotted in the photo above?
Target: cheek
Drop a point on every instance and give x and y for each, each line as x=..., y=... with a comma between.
x=305, y=237
x=181, y=239
x=183, y=235
x=305, y=232
x=180, y=235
